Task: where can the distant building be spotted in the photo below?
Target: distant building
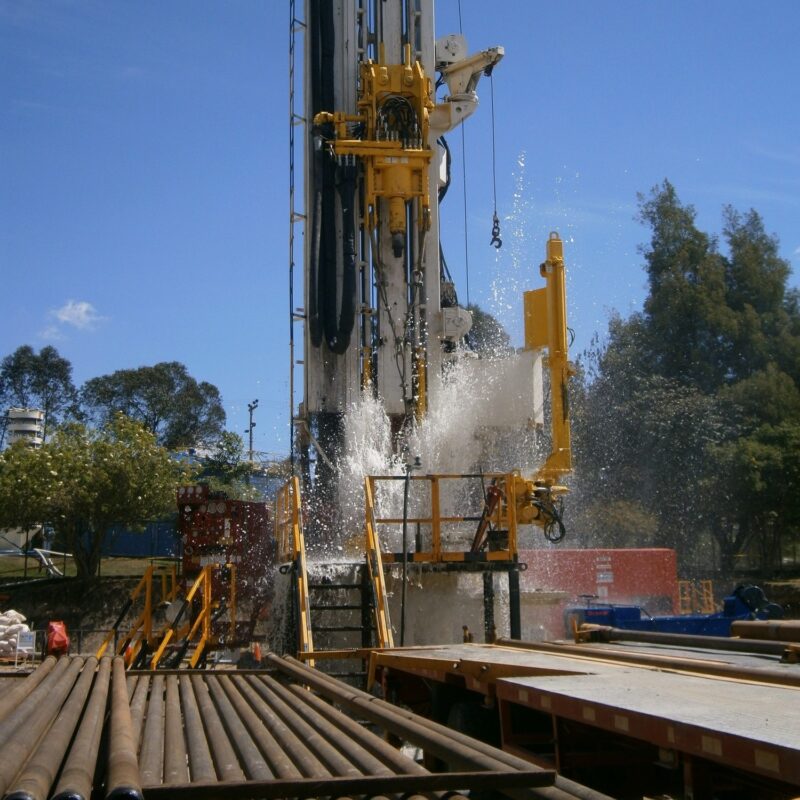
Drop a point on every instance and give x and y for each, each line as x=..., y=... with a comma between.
x=26, y=424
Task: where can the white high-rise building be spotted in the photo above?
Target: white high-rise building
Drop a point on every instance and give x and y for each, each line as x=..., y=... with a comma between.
x=26, y=424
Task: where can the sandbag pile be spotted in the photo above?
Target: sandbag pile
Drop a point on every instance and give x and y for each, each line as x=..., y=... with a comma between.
x=12, y=623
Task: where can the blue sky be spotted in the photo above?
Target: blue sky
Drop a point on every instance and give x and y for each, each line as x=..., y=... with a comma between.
x=143, y=168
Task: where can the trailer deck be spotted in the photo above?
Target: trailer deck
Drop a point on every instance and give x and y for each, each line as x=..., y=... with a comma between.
x=690, y=720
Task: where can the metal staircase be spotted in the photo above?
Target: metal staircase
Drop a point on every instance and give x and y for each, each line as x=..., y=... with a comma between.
x=339, y=610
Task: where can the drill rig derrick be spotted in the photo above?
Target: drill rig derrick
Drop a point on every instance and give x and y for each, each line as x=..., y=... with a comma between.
x=391, y=144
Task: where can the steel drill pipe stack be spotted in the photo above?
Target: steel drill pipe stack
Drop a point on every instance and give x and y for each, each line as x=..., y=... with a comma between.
x=455, y=749
x=76, y=727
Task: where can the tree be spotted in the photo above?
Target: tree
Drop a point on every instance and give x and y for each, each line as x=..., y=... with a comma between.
x=690, y=411
x=227, y=470
x=487, y=336
x=168, y=401
x=85, y=481
x=43, y=381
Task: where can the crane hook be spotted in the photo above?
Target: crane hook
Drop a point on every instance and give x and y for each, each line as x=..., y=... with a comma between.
x=496, y=242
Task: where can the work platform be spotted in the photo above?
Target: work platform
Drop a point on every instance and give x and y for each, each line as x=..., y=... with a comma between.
x=688, y=722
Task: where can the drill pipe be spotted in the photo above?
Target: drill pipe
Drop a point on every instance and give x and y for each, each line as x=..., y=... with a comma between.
x=77, y=775
x=304, y=759
x=781, y=630
x=122, y=780
x=151, y=756
x=372, y=747
x=19, y=746
x=762, y=647
x=339, y=728
x=455, y=749
x=21, y=713
x=138, y=705
x=772, y=676
x=202, y=764
x=314, y=736
x=227, y=765
x=175, y=768
x=247, y=749
x=36, y=778
x=279, y=762
x=23, y=687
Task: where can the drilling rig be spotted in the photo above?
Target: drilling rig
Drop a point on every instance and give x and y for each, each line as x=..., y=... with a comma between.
x=380, y=315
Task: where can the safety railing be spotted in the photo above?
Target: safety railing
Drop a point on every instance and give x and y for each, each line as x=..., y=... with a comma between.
x=291, y=548
x=696, y=597
x=383, y=625
x=141, y=631
x=486, y=532
x=178, y=629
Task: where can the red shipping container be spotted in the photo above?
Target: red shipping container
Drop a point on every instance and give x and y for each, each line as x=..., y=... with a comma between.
x=646, y=577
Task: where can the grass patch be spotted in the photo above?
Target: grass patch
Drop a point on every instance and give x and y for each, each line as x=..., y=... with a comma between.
x=13, y=566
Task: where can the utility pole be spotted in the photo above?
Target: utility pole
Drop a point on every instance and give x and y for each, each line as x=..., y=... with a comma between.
x=251, y=407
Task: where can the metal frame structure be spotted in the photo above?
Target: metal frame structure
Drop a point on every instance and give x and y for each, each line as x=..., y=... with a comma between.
x=141, y=632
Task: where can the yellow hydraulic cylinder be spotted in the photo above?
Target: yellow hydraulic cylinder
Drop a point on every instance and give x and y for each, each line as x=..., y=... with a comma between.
x=546, y=327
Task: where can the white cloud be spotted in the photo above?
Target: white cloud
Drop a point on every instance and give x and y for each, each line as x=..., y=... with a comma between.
x=797, y=251
x=51, y=334
x=78, y=313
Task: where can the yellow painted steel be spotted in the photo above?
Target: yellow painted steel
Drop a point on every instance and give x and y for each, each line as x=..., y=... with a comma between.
x=141, y=631
x=546, y=328
x=395, y=169
x=421, y=384
x=291, y=547
x=504, y=517
x=383, y=625
x=203, y=582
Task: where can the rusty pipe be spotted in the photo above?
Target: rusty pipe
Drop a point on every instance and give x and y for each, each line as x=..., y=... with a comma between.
x=279, y=762
x=21, y=741
x=39, y=773
x=305, y=760
x=122, y=780
x=374, y=754
x=201, y=763
x=781, y=630
x=29, y=704
x=24, y=686
x=77, y=775
x=138, y=705
x=314, y=736
x=175, y=765
x=457, y=750
x=227, y=765
x=151, y=755
x=243, y=743
x=772, y=676
x=610, y=634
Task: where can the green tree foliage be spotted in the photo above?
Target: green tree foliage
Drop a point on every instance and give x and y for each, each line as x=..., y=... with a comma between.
x=690, y=411
x=487, y=336
x=85, y=481
x=227, y=469
x=168, y=401
x=40, y=380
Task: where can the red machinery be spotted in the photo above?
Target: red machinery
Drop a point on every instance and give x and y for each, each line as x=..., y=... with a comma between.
x=236, y=535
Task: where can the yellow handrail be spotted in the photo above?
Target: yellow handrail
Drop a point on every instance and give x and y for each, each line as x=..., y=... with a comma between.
x=383, y=624
x=290, y=542
x=204, y=618
x=503, y=517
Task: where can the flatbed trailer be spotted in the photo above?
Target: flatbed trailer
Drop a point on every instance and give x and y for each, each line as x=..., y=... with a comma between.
x=627, y=719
